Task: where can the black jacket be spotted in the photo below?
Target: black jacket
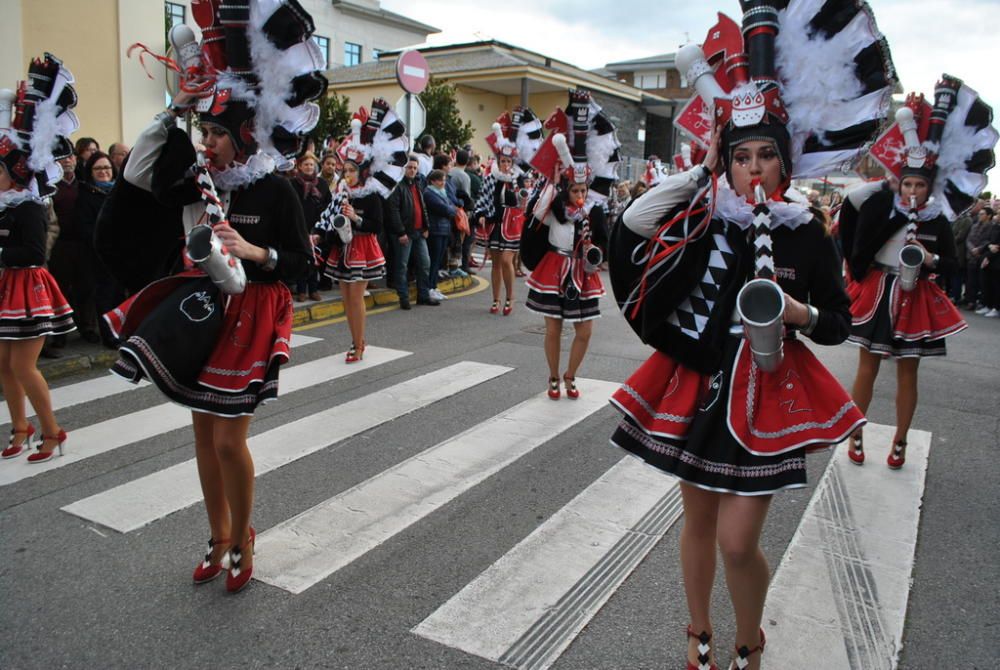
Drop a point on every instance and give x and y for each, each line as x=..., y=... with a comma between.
x=807, y=267
x=399, y=209
x=864, y=232
x=23, y=231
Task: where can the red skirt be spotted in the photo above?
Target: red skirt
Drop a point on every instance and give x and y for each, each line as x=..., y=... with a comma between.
x=361, y=259
x=206, y=351
x=555, y=271
x=798, y=405
x=890, y=321
x=31, y=305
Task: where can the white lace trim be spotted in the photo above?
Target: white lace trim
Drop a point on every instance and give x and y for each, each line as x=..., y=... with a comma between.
x=13, y=198
x=929, y=211
x=733, y=208
x=238, y=175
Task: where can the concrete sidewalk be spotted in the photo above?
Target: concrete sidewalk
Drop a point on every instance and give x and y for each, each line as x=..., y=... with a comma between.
x=79, y=356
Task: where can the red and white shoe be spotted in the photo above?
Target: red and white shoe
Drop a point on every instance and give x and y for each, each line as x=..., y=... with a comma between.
x=743, y=654
x=237, y=578
x=704, y=651
x=42, y=456
x=12, y=450
x=507, y=308
x=897, y=455
x=554, y=391
x=206, y=570
x=495, y=307
x=571, y=391
x=856, y=450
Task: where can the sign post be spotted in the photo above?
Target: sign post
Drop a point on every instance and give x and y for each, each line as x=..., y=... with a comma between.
x=413, y=74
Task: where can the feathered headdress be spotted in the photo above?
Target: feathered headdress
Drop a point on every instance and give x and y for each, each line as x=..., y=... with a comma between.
x=258, y=66
x=516, y=135
x=35, y=124
x=583, y=147
x=950, y=144
x=378, y=146
x=814, y=77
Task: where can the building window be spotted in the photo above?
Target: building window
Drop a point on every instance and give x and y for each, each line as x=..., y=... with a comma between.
x=684, y=81
x=324, y=47
x=376, y=53
x=352, y=54
x=651, y=80
x=175, y=14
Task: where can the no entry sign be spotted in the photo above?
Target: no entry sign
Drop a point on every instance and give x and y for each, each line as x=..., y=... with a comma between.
x=412, y=72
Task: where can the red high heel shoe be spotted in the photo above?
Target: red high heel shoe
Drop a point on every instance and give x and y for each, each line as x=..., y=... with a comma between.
x=507, y=308
x=13, y=451
x=856, y=450
x=206, y=570
x=897, y=456
x=237, y=577
x=554, y=392
x=355, y=353
x=571, y=390
x=495, y=307
x=42, y=456
x=743, y=654
x=704, y=651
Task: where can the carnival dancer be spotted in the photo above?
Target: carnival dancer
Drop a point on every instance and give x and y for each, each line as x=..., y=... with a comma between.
x=35, y=124
x=500, y=210
x=898, y=241
x=213, y=336
x=561, y=244
x=374, y=159
x=731, y=408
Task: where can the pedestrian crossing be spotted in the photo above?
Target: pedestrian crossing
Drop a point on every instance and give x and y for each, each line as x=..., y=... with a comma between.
x=541, y=591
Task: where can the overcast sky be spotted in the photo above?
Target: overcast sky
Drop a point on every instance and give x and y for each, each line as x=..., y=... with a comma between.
x=927, y=37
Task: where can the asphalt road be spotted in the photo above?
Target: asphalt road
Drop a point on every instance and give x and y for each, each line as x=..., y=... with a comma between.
x=75, y=594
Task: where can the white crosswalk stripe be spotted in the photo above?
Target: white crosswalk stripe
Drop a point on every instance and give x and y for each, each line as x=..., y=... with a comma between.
x=108, y=435
x=844, y=581
x=315, y=544
x=552, y=583
x=140, y=502
x=106, y=386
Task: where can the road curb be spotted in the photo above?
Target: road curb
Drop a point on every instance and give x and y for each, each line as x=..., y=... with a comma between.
x=331, y=308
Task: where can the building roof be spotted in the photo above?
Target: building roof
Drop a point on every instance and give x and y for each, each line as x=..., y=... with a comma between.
x=650, y=62
x=491, y=65
x=384, y=16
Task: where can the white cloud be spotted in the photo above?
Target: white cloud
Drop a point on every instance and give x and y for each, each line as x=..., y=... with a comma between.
x=926, y=38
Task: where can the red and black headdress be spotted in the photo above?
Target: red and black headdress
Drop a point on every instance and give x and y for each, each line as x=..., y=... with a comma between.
x=583, y=147
x=516, y=135
x=35, y=124
x=378, y=146
x=814, y=77
x=261, y=68
x=950, y=144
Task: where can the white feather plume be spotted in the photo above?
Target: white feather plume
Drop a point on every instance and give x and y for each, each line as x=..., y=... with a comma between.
x=958, y=143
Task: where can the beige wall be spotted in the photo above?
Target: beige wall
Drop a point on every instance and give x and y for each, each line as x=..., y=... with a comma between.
x=12, y=64
x=139, y=21
x=480, y=107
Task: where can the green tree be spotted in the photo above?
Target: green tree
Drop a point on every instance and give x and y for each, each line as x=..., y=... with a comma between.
x=443, y=120
x=334, y=117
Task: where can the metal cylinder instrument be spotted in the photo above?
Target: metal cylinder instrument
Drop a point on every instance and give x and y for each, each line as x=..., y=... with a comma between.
x=761, y=307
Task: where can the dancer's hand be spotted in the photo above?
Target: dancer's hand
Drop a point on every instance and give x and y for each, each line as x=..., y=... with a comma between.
x=711, y=161
x=237, y=246
x=796, y=313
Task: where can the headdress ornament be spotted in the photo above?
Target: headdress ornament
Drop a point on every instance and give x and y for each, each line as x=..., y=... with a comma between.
x=258, y=66
x=378, y=146
x=35, y=124
x=812, y=76
x=583, y=147
x=517, y=135
x=950, y=144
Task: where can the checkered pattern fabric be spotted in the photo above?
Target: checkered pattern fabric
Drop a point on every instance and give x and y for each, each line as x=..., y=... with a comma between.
x=692, y=314
x=484, y=205
x=763, y=254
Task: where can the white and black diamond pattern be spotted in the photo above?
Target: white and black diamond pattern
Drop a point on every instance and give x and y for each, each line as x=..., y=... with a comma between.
x=692, y=315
